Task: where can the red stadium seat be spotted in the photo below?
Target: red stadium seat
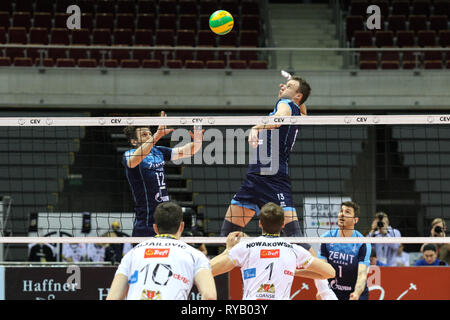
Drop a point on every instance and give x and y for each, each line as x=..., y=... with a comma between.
x=146, y=21
x=42, y=20
x=237, y=64
x=444, y=39
x=384, y=38
x=421, y=7
x=59, y=36
x=146, y=6
x=208, y=6
x=23, y=62
x=215, y=64
x=232, y=6
x=447, y=64
x=410, y=59
x=194, y=64
x=442, y=7
x=38, y=36
x=77, y=54
x=257, y=64
x=87, y=63
x=45, y=62
x=87, y=6
x=62, y=5
x=426, y=38
x=250, y=22
x=109, y=63
x=188, y=7
x=120, y=54
x=143, y=54
x=390, y=55
x=151, y=63
x=358, y=7
x=65, y=63
x=129, y=63
x=60, y=20
x=206, y=38
x=427, y=64
x=104, y=21
x=143, y=37
x=248, y=55
x=4, y=20
x=188, y=21
x=167, y=7
x=368, y=55
x=23, y=6
x=417, y=22
x=17, y=35
x=400, y=7
x=229, y=40
x=249, y=7
x=81, y=37
x=205, y=55
x=101, y=37
x=175, y=64
x=204, y=22
x=248, y=38
x=368, y=65
x=21, y=19
x=438, y=22
x=125, y=21
x=433, y=55
x=164, y=37
x=126, y=7
x=167, y=21
x=105, y=6
x=362, y=38
x=186, y=38
x=2, y=35
x=87, y=21
x=396, y=23
x=184, y=55
x=5, y=61
x=44, y=6
x=390, y=65
x=123, y=37
x=405, y=38
x=6, y=6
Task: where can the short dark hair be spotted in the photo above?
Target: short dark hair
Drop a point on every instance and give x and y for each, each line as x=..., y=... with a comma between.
x=303, y=87
x=168, y=217
x=353, y=205
x=271, y=217
x=429, y=246
x=130, y=131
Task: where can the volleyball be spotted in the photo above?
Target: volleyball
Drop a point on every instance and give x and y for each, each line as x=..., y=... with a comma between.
x=221, y=22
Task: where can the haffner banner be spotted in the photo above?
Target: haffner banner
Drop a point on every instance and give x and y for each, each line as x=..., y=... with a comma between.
x=320, y=215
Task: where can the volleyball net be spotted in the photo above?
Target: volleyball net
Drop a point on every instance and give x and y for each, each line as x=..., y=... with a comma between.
x=62, y=179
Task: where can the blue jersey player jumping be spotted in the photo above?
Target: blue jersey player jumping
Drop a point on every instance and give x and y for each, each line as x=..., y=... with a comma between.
x=144, y=169
x=350, y=260
x=268, y=180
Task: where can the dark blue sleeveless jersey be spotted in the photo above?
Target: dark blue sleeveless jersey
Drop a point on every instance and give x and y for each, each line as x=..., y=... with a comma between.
x=345, y=258
x=147, y=181
x=272, y=156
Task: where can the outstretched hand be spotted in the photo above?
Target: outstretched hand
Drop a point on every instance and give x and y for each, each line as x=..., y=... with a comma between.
x=162, y=129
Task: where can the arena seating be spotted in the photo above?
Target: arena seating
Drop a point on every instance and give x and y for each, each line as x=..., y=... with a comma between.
x=177, y=23
x=404, y=24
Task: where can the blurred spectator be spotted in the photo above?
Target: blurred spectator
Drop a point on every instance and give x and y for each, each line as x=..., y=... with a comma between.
x=115, y=251
x=430, y=257
x=374, y=261
x=73, y=252
x=95, y=252
x=41, y=252
x=402, y=257
x=386, y=252
x=439, y=229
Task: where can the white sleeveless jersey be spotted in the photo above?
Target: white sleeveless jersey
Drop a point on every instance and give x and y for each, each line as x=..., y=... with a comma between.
x=161, y=269
x=268, y=266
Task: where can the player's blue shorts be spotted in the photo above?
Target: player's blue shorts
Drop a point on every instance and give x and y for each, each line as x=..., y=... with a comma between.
x=143, y=225
x=257, y=190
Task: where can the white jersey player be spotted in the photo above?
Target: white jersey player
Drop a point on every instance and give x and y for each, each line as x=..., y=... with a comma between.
x=163, y=267
x=268, y=263
x=268, y=266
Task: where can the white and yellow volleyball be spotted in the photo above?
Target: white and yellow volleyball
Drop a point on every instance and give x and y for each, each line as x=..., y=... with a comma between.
x=221, y=22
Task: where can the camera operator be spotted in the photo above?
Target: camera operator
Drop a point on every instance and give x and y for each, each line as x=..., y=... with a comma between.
x=386, y=252
x=438, y=229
